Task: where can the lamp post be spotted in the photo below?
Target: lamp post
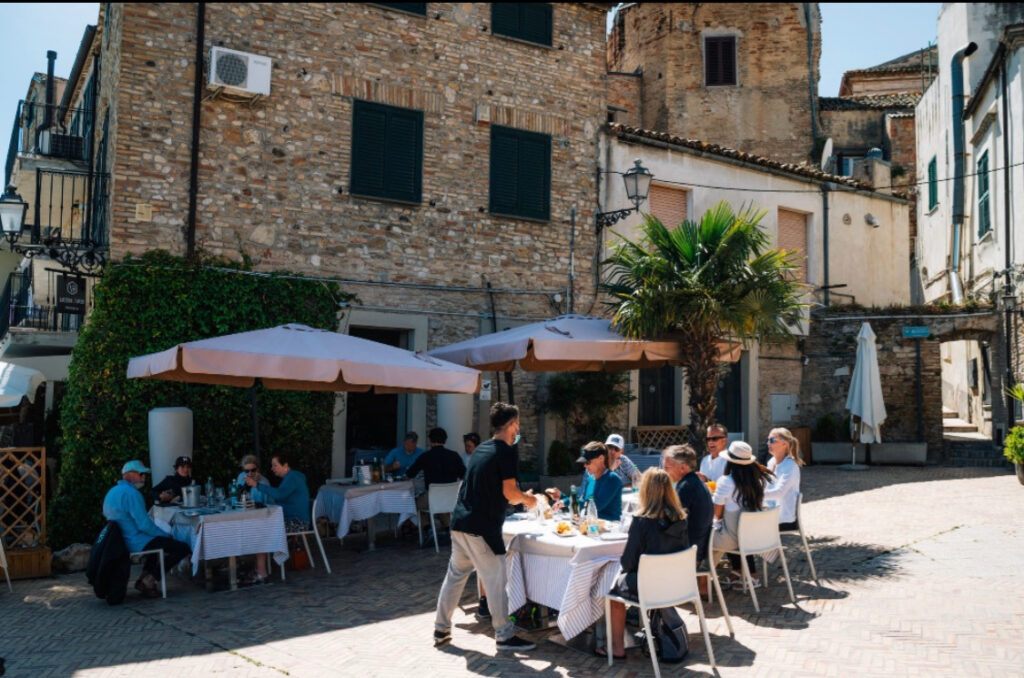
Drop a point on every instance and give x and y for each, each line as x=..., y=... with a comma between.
x=76, y=256
x=12, y=214
x=638, y=183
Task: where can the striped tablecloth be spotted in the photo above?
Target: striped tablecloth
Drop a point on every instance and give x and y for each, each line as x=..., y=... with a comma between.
x=570, y=574
x=231, y=533
x=344, y=503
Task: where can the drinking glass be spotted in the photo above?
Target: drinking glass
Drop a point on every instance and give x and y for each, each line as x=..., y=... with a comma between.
x=218, y=497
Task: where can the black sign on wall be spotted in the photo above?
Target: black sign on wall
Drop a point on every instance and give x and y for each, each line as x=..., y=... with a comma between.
x=70, y=294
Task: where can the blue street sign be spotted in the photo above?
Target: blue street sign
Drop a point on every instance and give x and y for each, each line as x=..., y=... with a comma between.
x=915, y=332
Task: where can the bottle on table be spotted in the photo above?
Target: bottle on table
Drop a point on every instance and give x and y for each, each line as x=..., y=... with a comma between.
x=377, y=475
x=234, y=494
x=208, y=489
x=592, y=521
x=574, y=505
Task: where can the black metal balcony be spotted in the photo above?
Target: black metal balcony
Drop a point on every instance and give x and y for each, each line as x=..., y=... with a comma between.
x=69, y=205
x=51, y=131
x=25, y=305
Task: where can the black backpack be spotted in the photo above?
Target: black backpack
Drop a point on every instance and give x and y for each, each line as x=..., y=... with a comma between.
x=670, y=638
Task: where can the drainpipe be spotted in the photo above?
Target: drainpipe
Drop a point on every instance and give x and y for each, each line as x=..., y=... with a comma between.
x=197, y=100
x=1006, y=241
x=825, y=188
x=959, y=161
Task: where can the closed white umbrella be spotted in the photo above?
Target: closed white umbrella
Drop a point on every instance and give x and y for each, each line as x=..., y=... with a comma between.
x=865, y=398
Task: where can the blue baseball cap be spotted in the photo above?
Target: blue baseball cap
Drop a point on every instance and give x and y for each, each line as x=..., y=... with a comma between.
x=134, y=465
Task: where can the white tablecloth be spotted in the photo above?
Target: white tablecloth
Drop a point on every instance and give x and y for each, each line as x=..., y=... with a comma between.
x=570, y=574
x=231, y=533
x=344, y=503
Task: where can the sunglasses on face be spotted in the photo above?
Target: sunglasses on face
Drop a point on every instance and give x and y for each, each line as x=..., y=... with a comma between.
x=716, y=437
x=252, y=470
x=772, y=441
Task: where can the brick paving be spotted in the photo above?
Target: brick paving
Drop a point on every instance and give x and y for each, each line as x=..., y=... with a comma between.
x=918, y=571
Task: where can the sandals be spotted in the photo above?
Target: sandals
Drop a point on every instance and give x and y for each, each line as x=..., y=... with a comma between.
x=738, y=584
x=600, y=652
x=255, y=579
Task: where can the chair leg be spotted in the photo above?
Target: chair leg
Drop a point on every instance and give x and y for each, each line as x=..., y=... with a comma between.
x=433, y=530
x=419, y=526
x=650, y=641
x=704, y=630
x=810, y=561
x=748, y=582
x=323, y=554
x=608, y=629
x=725, y=608
x=163, y=574
x=305, y=544
x=785, y=568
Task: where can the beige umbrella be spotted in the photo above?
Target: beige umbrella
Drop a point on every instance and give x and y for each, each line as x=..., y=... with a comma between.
x=301, y=358
x=568, y=343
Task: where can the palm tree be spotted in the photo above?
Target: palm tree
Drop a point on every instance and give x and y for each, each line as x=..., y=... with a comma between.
x=702, y=284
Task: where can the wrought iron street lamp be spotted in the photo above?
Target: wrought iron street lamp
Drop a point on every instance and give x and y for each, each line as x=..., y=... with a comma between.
x=638, y=184
x=74, y=255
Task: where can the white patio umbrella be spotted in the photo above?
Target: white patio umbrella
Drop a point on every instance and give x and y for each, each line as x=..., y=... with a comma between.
x=865, y=398
x=564, y=344
x=300, y=358
x=17, y=383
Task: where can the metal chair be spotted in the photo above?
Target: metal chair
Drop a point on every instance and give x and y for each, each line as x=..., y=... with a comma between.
x=662, y=581
x=800, y=530
x=163, y=572
x=3, y=564
x=758, y=536
x=441, y=498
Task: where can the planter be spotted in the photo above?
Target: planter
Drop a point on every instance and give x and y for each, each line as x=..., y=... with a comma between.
x=899, y=453
x=29, y=563
x=1020, y=472
x=837, y=453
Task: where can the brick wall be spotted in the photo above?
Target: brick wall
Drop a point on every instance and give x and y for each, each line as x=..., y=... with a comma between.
x=624, y=93
x=767, y=113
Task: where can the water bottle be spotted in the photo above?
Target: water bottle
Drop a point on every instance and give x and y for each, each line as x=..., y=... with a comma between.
x=627, y=517
x=208, y=488
x=574, y=506
x=593, y=526
x=234, y=494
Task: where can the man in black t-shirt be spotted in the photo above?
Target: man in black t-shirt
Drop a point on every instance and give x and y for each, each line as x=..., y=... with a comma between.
x=169, y=489
x=490, y=486
x=439, y=465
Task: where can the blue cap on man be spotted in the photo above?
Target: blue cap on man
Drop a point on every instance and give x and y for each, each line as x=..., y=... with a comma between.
x=134, y=465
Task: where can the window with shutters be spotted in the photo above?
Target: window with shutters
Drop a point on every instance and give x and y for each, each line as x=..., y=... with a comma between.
x=411, y=7
x=984, y=213
x=793, y=236
x=720, y=60
x=933, y=184
x=529, y=21
x=520, y=173
x=387, y=152
x=668, y=204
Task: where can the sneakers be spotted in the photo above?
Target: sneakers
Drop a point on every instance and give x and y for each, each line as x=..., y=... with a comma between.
x=147, y=586
x=516, y=644
x=482, y=611
x=442, y=637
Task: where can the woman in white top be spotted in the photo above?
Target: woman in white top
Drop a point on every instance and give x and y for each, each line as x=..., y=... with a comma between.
x=741, y=488
x=785, y=463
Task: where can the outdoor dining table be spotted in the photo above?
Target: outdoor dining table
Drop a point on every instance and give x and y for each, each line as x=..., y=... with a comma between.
x=571, y=574
x=212, y=533
x=342, y=504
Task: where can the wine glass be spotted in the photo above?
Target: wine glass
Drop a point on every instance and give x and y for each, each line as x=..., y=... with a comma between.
x=219, y=496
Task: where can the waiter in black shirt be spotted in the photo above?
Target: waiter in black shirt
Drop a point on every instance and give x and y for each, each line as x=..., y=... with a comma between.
x=438, y=464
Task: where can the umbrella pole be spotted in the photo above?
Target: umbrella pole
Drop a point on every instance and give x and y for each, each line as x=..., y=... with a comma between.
x=853, y=465
x=508, y=382
x=255, y=421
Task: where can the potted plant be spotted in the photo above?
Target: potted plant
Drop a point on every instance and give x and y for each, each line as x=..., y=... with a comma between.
x=1013, y=446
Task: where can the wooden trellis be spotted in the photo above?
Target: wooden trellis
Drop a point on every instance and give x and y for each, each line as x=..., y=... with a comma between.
x=22, y=496
x=660, y=437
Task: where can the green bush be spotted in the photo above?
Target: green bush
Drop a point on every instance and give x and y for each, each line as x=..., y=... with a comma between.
x=1013, y=446
x=584, y=401
x=561, y=460
x=150, y=304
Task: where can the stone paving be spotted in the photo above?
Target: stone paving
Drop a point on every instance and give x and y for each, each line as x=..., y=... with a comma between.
x=918, y=569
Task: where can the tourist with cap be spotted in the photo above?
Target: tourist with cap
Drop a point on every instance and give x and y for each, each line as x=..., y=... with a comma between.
x=741, y=488
x=125, y=505
x=712, y=465
x=169, y=489
x=600, y=483
x=402, y=457
x=620, y=464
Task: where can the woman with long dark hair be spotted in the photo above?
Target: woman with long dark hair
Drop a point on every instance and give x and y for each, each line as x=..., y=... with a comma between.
x=741, y=488
x=659, y=526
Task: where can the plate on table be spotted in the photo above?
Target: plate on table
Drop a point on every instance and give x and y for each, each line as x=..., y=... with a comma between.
x=613, y=536
x=571, y=532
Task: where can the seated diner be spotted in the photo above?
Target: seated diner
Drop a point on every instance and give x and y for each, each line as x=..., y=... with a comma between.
x=293, y=496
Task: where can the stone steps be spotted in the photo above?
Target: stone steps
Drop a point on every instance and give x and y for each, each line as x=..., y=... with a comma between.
x=977, y=453
x=957, y=425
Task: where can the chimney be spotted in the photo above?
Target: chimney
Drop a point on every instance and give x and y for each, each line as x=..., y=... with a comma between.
x=51, y=57
x=874, y=171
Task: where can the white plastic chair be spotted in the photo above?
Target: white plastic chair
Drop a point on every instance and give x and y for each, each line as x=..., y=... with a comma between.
x=662, y=581
x=759, y=536
x=3, y=564
x=713, y=582
x=441, y=498
x=800, y=531
x=303, y=533
x=163, y=572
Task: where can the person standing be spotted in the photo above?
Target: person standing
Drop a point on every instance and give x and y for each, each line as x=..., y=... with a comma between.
x=124, y=505
x=712, y=466
x=169, y=489
x=477, y=544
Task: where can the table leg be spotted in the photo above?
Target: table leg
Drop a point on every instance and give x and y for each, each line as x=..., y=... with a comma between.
x=370, y=531
x=232, y=573
x=208, y=574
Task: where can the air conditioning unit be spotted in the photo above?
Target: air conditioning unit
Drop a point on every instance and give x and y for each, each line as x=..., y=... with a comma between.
x=239, y=71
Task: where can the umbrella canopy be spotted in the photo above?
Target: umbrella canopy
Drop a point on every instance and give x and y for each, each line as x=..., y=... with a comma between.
x=301, y=358
x=17, y=383
x=865, y=397
x=564, y=344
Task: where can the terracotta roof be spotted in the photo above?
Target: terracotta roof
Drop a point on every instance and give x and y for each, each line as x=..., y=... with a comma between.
x=860, y=102
x=808, y=171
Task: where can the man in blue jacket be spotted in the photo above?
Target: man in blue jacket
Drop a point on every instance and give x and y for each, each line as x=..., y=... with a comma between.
x=125, y=506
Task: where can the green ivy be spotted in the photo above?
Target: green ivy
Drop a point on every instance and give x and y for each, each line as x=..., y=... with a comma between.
x=148, y=304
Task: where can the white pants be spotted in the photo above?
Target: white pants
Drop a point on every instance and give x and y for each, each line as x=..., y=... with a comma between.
x=469, y=553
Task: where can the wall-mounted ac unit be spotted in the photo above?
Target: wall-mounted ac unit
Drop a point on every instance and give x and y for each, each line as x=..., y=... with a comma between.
x=239, y=71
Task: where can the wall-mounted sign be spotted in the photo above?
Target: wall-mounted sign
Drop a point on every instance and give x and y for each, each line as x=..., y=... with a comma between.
x=915, y=332
x=485, y=389
x=70, y=294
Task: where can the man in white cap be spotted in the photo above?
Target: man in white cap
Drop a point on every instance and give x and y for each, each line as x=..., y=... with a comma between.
x=125, y=506
x=620, y=464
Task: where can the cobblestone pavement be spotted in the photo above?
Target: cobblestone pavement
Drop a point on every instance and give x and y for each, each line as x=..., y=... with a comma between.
x=918, y=571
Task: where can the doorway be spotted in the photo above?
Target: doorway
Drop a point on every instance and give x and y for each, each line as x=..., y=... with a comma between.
x=375, y=422
x=657, y=397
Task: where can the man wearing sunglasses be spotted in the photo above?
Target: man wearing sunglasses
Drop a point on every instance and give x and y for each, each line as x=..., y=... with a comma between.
x=712, y=466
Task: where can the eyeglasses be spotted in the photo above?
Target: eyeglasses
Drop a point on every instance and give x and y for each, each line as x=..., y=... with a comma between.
x=772, y=441
x=717, y=437
x=252, y=470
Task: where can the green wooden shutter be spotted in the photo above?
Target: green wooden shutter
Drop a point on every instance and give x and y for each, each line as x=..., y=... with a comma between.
x=369, y=127
x=520, y=173
x=933, y=184
x=505, y=18
x=531, y=21
x=387, y=152
x=984, y=213
x=504, y=171
x=403, y=153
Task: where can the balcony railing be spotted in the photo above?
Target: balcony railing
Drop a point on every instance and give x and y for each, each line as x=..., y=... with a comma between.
x=20, y=303
x=69, y=204
x=51, y=131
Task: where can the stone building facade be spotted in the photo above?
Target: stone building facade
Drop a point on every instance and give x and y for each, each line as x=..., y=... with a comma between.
x=741, y=75
x=275, y=180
